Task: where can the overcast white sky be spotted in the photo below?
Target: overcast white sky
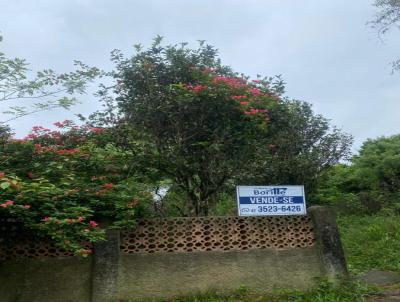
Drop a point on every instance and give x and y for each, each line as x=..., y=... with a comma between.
x=324, y=49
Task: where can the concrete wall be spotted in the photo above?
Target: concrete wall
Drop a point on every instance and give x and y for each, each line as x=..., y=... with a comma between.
x=168, y=275
x=266, y=253
x=46, y=280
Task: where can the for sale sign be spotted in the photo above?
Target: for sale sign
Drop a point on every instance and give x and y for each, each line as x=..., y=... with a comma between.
x=271, y=200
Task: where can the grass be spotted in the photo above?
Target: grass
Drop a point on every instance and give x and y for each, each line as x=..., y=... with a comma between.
x=371, y=242
x=349, y=291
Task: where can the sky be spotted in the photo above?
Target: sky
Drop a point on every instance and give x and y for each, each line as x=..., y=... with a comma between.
x=324, y=50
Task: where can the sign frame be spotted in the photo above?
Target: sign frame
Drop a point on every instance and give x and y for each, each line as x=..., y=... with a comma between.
x=278, y=211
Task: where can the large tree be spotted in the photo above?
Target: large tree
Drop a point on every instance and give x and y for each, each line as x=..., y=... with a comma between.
x=198, y=118
x=206, y=128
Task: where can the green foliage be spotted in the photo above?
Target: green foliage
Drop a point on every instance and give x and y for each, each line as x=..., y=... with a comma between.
x=370, y=184
x=336, y=188
x=371, y=242
x=298, y=148
x=349, y=291
x=57, y=184
x=377, y=167
x=45, y=91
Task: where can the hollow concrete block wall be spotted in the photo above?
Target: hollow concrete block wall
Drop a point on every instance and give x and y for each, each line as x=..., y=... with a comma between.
x=165, y=258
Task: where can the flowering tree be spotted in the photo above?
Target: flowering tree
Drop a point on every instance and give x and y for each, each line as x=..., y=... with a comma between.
x=63, y=184
x=199, y=119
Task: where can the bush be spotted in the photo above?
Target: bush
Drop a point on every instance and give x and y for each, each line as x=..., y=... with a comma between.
x=62, y=184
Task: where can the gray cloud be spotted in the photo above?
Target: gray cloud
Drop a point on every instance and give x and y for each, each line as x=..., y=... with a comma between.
x=323, y=49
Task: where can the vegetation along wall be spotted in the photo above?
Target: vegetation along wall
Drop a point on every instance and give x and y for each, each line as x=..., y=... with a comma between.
x=169, y=257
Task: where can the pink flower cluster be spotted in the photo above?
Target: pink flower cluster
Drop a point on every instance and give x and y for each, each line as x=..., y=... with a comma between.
x=63, y=124
x=239, y=97
x=96, y=129
x=7, y=203
x=196, y=88
x=230, y=81
x=255, y=91
x=255, y=111
x=92, y=223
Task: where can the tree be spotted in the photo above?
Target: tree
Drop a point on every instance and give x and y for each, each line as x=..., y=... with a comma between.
x=388, y=16
x=385, y=19
x=377, y=166
x=299, y=147
x=198, y=118
x=45, y=91
x=370, y=183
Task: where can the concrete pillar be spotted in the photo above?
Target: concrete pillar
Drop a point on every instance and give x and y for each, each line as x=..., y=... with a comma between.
x=328, y=240
x=105, y=268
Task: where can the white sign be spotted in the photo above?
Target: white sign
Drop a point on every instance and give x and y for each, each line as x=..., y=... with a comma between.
x=271, y=200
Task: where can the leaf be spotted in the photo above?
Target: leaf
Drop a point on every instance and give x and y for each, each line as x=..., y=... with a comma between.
x=5, y=185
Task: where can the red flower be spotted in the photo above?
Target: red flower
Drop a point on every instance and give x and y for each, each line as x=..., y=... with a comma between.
x=67, y=151
x=31, y=136
x=102, y=192
x=2, y=174
x=109, y=185
x=27, y=206
x=255, y=91
x=30, y=175
x=58, y=125
x=46, y=219
x=238, y=97
x=96, y=129
x=93, y=224
x=255, y=111
x=244, y=103
x=232, y=82
x=80, y=219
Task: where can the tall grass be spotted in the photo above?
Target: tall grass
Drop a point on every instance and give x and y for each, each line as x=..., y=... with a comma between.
x=371, y=242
